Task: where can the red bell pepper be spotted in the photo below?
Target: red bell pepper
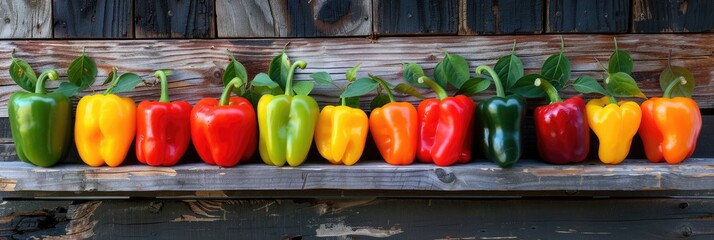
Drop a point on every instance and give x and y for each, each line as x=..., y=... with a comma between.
x=162, y=128
x=224, y=131
x=562, y=131
x=445, y=126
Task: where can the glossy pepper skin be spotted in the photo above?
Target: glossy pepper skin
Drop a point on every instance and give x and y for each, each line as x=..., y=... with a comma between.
x=341, y=134
x=287, y=124
x=501, y=120
x=562, y=131
x=224, y=131
x=670, y=128
x=445, y=127
x=163, y=128
x=40, y=124
x=615, y=125
x=104, y=129
x=394, y=128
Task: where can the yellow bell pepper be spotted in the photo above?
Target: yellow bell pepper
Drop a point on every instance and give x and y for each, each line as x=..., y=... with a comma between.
x=615, y=125
x=341, y=134
x=104, y=129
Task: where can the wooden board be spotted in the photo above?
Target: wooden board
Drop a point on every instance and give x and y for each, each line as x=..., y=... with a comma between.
x=501, y=17
x=412, y=17
x=25, y=19
x=608, y=16
x=175, y=19
x=92, y=19
x=360, y=218
x=653, y=16
x=245, y=18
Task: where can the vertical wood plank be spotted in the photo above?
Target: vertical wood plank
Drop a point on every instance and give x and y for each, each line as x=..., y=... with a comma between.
x=313, y=18
x=92, y=19
x=25, y=19
x=244, y=18
x=501, y=17
x=175, y=19
x=653, y=16
x=606, y=16
x=400, y=17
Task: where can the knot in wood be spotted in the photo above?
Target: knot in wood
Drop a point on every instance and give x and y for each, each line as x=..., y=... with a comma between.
x=7, y=20
x=445, y=177
x=686, y=231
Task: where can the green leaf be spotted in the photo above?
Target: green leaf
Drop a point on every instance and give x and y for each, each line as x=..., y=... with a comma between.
x=452, y=69
x=509, y=69
x=360, y=87
x=473, y=86
x=263, y=80
x=352, y=102
x=351, y=74
x=586, y=84
x=126, y=82
x=412, y=72
x=110, y=78
x=556, y=69
x=279, y=68
x=22, y=74
x=409, y=90
x=379, y=101
x=620, y=61
x=67, y=88
x=672, y=73
x=82, y=71
x=622, y=85
x=303, y=87
x=235, y=69
x=524, y=87
x=253, y=97
x=322, y=78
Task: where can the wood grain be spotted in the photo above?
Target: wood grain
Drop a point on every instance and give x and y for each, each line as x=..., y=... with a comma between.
x=175, y=19
x=25, y=19
x=92, y=19
x=488, y=17
x=652, y=16
x=322, y=17
x=415, y=17
x=245, y=18
x=609, y=16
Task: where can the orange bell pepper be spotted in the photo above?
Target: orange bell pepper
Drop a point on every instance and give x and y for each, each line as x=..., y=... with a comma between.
x=395, y=129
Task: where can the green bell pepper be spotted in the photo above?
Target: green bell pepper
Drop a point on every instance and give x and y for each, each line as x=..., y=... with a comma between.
x=287, y=124
x=501, y=118
x=40, y=123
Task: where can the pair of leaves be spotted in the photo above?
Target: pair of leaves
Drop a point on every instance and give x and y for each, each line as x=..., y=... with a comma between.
x=363, y=86
x=618, y=85
x=556, y=70
x=453, y=69
x=235, y=69
x=324, y=78
x=122, y=83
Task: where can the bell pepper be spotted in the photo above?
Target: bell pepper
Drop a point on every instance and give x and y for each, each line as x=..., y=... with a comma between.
x=287, y=124
x=162, y=128
x=341, y=134
x=394, y=128
x=40, y=123
x=445, y=127
x=501, y=120
x=562, y=132
x=224, y=130
x=614, y=123
x=670, y=126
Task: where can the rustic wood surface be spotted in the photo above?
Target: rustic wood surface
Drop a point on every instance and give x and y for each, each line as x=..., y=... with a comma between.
x=501, y=17
x=245, y=18
x=25, y=19
x=415, y=17
x=322, y=18
x=653, y=16
x=175, y=19
x=92, y=19
x=360, y=218
x=608, y=16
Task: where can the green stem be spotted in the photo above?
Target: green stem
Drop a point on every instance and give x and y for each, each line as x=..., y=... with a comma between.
x=615, y=38
x=343, y=101
x=40, y=84
x=440, y=92
x=115, y=80
x=612, y=99
x=496, y=81
x=549, y=90
x=385, y=86
x=670, y=87
x=236, y=82
x=289, y=84
x=164, y=86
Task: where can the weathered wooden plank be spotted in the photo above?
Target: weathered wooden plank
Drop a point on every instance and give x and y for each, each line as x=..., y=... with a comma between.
x=501, y=17
x=92, y=19
x=652, y=16
x=25, y=19
x=245, y=18
x=610, y=16
x=362, y=218
x=175, y=19
x=198, y=64
x=401, y=17
x=322, y=18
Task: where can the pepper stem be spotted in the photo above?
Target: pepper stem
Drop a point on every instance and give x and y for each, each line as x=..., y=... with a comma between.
x=115, y=80
x=343, y=101
x=668, y=91
x=385, y=86
x=289, y=84
x=549, y=90
x=496, y=81
x=236, y=82
x=612, y=99
x=40, y=84
x=440, y=92
x=164, y=86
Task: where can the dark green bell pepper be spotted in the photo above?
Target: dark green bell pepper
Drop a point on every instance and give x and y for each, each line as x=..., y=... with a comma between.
x=501, y=118
x=40, y=123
